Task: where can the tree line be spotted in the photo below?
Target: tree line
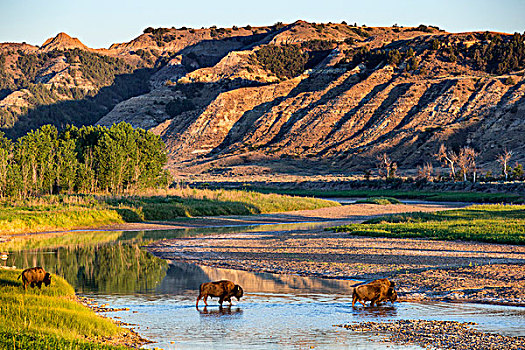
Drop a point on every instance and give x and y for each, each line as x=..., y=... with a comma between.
x=461, y=164
x=81, y=160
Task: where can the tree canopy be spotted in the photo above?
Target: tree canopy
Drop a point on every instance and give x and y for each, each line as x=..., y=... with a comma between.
x=83, y=160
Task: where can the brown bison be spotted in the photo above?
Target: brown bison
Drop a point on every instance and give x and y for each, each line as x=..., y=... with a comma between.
x=222, y=289
x=35, y=276
x=376, y=292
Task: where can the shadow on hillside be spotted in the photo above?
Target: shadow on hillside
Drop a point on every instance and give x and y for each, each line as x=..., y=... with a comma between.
x=89, y=109
x=250, y=117
x=85, y=111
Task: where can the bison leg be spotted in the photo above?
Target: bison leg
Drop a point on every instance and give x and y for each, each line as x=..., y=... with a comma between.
x=205, y=300
x=39, y=285
x=197, y=303
x=354, y=299
x=221, y=299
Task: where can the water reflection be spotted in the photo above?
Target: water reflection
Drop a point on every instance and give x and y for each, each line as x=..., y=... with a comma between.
x=108, y=268
x=375, y=312
x=221, y=311
x=182, y=277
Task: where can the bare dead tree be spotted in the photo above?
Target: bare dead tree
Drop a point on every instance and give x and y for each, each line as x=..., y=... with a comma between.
x=386, y=167
x=504, y=159
x=449, y=158
x=467, y=161
x=425, y=172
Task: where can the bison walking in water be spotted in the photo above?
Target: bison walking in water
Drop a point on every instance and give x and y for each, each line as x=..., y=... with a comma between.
x=35, y=276
x=222, y=289
x=376, y=292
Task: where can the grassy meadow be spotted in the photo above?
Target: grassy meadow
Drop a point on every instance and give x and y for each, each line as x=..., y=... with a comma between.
x=483, y=223
x=60, y=212
x=49, y=318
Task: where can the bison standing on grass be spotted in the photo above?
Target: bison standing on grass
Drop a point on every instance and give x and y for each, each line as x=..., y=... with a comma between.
x=376, y=292
x=222, y=289
x=35, y=276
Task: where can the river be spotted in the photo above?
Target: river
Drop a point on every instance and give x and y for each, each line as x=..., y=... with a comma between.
x=277, y=311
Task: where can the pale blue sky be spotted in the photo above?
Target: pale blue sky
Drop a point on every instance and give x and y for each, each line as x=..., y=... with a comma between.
x=100, y=23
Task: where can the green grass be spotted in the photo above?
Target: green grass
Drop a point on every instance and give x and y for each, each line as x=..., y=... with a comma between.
x=484, y=223
x=474, y=197
x=380, y=200
x=49, y=318
x=65, y=212
x=178, y=203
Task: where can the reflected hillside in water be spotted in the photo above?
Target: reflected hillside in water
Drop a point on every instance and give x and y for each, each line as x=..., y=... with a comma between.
x=108, y=269
x=182, y=277
x=80, y=237
x=114, y=262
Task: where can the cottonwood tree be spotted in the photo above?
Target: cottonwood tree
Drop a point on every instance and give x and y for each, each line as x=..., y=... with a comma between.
x=449, y=158
x=504, y=159
x=387, y=167
x=467, y=161
x=6, y=147
x=425, y=172
x=88, y=159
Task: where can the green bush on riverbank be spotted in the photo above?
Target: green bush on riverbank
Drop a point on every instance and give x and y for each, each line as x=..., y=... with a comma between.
x=49, y=318
x=484, y=223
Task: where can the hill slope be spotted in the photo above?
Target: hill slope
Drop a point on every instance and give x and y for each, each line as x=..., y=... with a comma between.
x=327, y=97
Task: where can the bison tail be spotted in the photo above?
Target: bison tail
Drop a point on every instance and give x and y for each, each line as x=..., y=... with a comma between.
x=19, y=276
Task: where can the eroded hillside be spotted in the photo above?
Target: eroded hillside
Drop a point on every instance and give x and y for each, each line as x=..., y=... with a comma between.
x=329, y=97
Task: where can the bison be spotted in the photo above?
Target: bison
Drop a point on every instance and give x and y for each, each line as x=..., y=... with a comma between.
x=222, y=289
x=376, y=292
x=35, y=276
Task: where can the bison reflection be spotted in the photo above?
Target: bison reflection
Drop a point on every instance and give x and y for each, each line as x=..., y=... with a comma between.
x=220, y=311
x=224, y=290
x=376, y=292
x=35, y=276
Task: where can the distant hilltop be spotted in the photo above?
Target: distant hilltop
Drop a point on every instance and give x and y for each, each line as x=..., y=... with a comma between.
x=261, y=99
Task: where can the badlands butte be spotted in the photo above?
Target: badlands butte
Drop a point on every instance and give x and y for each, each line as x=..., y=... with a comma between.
x=323, y=96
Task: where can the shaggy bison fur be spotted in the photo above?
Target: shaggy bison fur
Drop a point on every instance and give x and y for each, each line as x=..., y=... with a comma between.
x=222, y=289
x=376, y=292
x=35, y=276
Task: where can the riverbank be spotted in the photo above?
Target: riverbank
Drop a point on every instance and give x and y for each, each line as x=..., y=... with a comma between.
x=54, y=318
x=423, y=269
x=67, y=212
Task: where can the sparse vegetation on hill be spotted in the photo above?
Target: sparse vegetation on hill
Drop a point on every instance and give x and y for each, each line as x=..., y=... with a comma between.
x=285, y=61
x=493, y=53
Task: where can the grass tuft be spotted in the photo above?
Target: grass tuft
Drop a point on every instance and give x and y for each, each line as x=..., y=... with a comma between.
x=380, y=200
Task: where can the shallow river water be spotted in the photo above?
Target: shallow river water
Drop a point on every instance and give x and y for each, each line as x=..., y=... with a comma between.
x=277, y=311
